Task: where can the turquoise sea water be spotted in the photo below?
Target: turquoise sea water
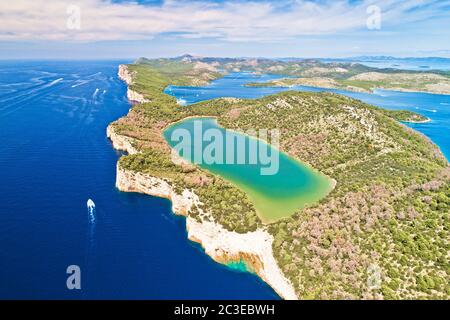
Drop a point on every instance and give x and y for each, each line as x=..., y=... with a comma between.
x=287, y=186
x=434, y=106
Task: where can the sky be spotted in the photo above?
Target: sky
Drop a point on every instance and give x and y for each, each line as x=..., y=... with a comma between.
x=123, y=29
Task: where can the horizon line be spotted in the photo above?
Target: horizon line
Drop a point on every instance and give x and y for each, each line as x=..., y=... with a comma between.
x=221, y=57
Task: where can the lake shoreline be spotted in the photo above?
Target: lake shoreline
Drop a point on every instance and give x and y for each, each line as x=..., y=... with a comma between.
x=214, y=238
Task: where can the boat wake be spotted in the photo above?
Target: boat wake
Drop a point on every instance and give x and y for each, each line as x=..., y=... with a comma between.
x=91, y=210
x=80, y=83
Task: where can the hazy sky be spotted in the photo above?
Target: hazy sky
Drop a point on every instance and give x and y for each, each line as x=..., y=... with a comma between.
x=283, y=28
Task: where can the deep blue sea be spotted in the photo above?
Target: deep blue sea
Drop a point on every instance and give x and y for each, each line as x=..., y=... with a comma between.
x=434, y=106
x=54, y=156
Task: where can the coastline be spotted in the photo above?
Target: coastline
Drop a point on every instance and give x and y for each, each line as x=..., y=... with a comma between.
x=444, y=93
x=127, y=77
x=331, y=183
x=223, y=246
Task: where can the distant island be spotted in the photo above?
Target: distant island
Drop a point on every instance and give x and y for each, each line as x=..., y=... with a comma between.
x=359, y=78
x=352, y=76
x=381, y=233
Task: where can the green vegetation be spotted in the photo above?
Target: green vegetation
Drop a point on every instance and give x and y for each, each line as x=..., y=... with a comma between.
x=240, y=266
x=406, y=116
x=389, y=208
x=352, y=77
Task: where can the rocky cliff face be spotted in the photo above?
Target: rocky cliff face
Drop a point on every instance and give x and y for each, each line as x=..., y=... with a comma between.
x=127, y=76
x=254, y=248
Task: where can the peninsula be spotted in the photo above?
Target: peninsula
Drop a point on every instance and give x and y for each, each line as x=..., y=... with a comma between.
x=386, y=218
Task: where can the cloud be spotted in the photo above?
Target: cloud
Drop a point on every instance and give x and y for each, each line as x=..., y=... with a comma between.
x=102, y=20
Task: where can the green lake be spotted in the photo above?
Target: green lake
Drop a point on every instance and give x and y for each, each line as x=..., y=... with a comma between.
x=275, y=196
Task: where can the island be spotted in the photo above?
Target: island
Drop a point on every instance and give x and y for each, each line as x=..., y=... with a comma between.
x=381, y=232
